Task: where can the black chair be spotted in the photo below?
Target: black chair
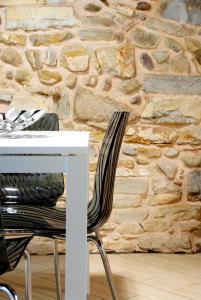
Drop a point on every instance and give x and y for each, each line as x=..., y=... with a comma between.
x=11, y=251
x=50, y=221
x=31, y=190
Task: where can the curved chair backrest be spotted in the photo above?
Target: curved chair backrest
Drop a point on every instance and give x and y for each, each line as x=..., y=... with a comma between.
x=100, y=207
x=11, y=249
x=34, y=189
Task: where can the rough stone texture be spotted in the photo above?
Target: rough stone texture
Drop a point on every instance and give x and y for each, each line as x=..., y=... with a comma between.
x=71, y=81
x=118, y=61
x=178, y=111
x=159, y=241
x=145, y=39
x=178, y=212
x=164, y=191
x=49, y=77
x=12, y=39
x=177, y=64
x=23, y=75
x=131, y=186
x=103, y=20
x=176, y=10
x=20, y=2
x=86, y=60
x=75, y=58
x=195, y=17
x=168, y=168
x=194, y=185
x=50, y=57
x=97, y=34
x=173, y=45
x=143, y=5
x=28, y=102
x=161, y=56
x=172, y=152
x=169, y=27
x=34, y=57
x=147, y=62
x=92, y=7
x=49, y=38
x=129, y=86
x=145, y=135
x=11, y=56
x=149, y=152
x=38, y=17
x=192, y=160
x=94, y=107
x=123, y=9
x=172, y=84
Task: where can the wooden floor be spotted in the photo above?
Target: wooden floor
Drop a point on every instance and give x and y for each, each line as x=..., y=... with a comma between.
x=137, y=277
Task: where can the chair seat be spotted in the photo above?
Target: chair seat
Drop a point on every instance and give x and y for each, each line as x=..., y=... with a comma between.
x=31, y=218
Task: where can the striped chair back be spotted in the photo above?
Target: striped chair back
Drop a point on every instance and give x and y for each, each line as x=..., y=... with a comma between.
x=100, y=207
x=33, y=189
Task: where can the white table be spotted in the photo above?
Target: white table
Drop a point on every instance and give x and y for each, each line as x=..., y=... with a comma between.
x=67, y=152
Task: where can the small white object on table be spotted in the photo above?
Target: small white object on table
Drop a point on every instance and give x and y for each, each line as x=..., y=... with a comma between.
x=67, y=152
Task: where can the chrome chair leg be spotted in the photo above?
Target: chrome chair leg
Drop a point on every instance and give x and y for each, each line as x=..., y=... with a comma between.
x=5, y=288
x=28, y=279
x=57, y=271
x=98, y=242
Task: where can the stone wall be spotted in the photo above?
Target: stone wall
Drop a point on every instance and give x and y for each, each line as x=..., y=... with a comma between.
x=86, y=59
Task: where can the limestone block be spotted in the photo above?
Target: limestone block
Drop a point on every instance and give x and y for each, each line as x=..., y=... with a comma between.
x=23, y=75
x=149, y=152
x=90, y=106
x=172, y=152
x=28, y=102
x=129, y=86
x=75, y=58
x=117, y=61
x=11, y=56
x=168, y=168
x=47, y=39
x=178, y=111
x=12, y=39
x=92, y=7
x=165, y=242
x=127, y=201
x=195, y=17
x=194, y=185
x=153, y=225
x=170, y=28
x=39, y=17
x=21, y=2
x=192, y=160
x=177, y=10
x=103, y=20
x=71, y=81
x=129, y=214
x=146, y=135
x=34, y=57
x=145, y=39
x=96, y=34
x=132, y=186
x=49, y=77
x=122, y=9
x=130, y=228
x=178, y=212
x=174, y=84
x=173, y=44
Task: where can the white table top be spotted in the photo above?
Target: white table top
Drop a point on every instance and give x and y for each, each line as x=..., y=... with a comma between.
x=45, y=142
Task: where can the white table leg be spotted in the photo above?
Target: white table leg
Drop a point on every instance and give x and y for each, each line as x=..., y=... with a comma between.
x=76, y=228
